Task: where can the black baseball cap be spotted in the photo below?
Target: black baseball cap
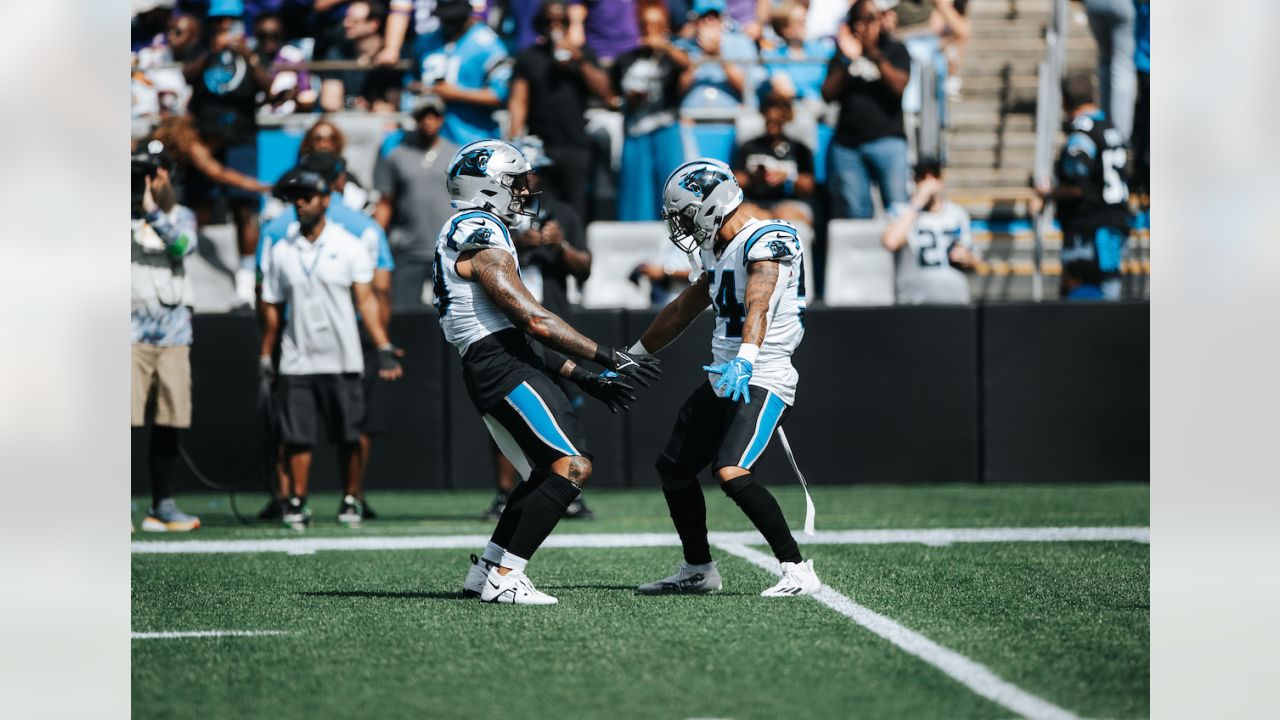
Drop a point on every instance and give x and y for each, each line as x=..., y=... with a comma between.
x=325, y=164
x=300, y=183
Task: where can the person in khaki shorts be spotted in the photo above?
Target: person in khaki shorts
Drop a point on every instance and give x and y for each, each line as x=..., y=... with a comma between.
x=163, y=235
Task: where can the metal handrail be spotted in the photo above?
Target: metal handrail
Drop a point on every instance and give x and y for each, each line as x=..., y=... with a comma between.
x=1048, y=120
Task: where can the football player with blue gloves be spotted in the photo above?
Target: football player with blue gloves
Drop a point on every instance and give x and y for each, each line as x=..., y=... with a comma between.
x=753, y=272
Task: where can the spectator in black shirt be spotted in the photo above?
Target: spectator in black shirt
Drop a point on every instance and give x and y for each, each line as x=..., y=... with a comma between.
x=225, y=80
x=377, y=89
x=775, y=171
x=550, y=85
x=867, y=76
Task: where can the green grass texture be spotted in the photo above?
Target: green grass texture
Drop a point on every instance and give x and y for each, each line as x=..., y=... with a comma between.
x=383, y=634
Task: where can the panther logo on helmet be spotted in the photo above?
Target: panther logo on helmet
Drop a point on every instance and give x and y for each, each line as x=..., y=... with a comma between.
x=474, y=162
x=703, y=182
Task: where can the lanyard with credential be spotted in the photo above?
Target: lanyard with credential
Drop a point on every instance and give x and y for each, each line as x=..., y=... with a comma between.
x=308, y=272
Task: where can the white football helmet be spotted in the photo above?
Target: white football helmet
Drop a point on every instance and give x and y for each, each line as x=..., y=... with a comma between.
x=696, y=199
x=492, y=175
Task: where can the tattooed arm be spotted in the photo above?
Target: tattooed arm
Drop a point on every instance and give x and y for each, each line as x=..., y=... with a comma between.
x=760, y=299
x=495, y=271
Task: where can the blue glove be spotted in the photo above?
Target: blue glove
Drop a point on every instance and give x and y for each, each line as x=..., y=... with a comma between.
x=735, y=377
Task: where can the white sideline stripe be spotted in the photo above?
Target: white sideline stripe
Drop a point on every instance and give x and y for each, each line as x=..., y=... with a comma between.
x=973, y=675
x=934, y=536
x=175, y=634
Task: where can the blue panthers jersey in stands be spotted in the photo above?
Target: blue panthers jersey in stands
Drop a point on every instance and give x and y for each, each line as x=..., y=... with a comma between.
x=467, y=313
x=759, y=240
x=476, y=61
x=364, y=228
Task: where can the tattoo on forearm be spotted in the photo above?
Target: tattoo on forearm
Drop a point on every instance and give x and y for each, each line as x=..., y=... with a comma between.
x=496, y=272
x=762, y=278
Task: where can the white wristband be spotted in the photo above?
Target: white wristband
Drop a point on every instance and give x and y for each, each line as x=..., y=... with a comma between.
x=749, y=352
x=638, y=349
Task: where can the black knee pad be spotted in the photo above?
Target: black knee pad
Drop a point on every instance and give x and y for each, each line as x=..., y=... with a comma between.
x=736, y=486
x=672, y=478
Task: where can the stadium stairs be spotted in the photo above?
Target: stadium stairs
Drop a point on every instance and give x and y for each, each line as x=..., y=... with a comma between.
x=991, y=143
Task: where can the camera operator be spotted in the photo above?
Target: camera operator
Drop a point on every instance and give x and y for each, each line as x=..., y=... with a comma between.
x=163, y=235
x=551, y=247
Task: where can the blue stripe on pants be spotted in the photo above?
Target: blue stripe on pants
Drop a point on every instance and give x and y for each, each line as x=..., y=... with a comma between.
x=539, y=419
x=768, y=420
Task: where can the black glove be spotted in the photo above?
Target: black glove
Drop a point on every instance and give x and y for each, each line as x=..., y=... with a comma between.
x=387, y=360
x=644, y=369
x=607, y=387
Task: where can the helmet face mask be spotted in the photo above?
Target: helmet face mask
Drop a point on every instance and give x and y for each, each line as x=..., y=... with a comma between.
x=523, y=200
x=681, y=229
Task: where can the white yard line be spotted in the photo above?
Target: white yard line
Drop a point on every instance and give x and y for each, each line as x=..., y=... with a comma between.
x=177, y=634
x=935, y=536
x=973, y=675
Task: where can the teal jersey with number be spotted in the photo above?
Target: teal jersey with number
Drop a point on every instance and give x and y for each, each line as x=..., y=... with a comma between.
x=759, y=240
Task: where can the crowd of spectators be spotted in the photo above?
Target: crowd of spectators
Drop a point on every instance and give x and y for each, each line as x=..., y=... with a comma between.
x=610, y=87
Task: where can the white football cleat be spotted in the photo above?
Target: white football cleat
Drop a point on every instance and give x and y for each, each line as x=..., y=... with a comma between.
x=514, y=588
x=687, y=579
x=797, y=579
x=474, y=583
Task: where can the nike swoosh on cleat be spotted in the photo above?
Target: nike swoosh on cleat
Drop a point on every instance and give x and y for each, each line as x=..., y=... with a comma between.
x=495, y=587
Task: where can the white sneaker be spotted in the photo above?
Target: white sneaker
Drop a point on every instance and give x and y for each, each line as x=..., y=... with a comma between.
x=474, y=583
x=797, y=579
x=245, y=280
x=514, y=588
x=687, y=579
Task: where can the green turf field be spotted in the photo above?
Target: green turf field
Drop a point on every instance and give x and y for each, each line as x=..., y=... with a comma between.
x=382, y=633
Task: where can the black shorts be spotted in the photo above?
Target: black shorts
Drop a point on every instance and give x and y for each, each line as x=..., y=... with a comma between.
x=375, y=388
x=315, y=407
x=720, y=432
x=534, y=425
x=496, y=364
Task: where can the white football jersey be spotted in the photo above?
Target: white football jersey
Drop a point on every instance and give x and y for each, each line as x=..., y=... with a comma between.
x=759, y=240
x=922, y=266
x=467, y=313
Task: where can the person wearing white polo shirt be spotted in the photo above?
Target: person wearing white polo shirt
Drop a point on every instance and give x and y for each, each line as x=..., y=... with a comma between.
x=317, y=270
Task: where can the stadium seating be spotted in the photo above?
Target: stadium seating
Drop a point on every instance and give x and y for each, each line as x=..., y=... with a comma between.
x=859, y=269
x=616, y=249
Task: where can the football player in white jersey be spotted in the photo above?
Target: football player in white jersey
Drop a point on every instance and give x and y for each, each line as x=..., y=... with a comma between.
x=931, y=242
x=488, y=314
x=753, y=271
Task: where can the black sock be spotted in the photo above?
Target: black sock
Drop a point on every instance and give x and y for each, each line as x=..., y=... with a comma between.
x=163, y=453
x=542, y=510
x=689, y=513
x=762, y=509
x=516, y=500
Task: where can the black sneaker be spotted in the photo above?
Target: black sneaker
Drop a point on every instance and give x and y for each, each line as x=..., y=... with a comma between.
x=273, y=511
x=297, y=514
x=369, y=514
x=351, y=512
x=495, y=510
x=578, y=510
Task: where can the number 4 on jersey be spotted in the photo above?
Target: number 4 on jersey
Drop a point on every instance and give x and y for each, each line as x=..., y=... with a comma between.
x=727, y=305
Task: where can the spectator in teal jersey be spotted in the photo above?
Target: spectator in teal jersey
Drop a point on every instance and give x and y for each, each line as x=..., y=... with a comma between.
x=465, y=64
